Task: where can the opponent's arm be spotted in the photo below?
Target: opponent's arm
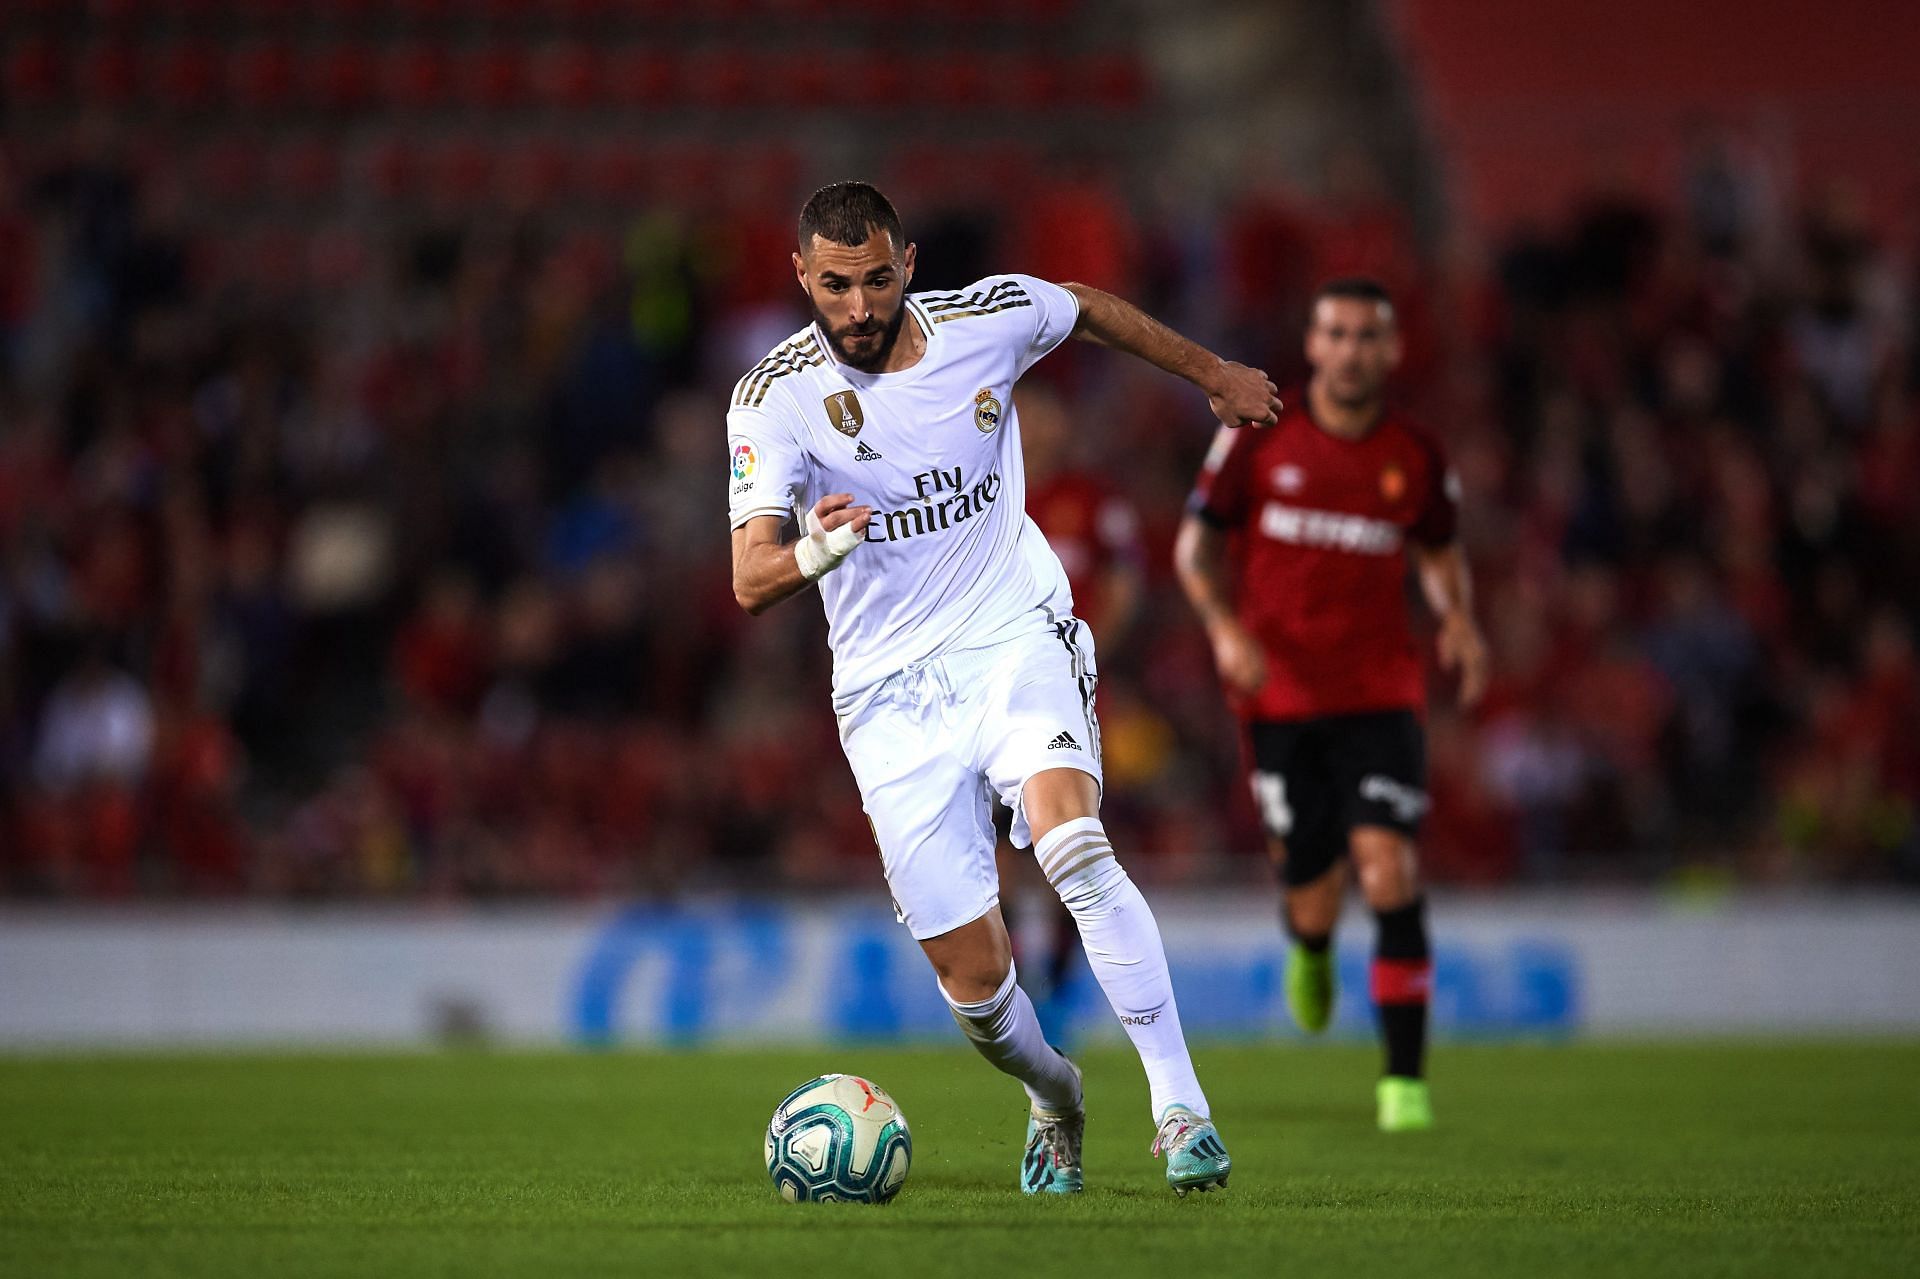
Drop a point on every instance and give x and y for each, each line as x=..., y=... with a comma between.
x=1448, y=586
x=1238, y=395
x=766, y=570
x=1200, y=560
x=1120, y=592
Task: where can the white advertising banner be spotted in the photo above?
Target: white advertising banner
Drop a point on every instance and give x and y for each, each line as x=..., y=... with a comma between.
x=761, y=972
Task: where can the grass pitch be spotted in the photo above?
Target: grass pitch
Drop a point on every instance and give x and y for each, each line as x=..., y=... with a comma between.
x=1705, y=1159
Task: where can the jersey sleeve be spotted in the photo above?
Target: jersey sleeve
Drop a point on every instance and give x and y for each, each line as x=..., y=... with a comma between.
x=1047, y=318
x=1224, y=492
x=1439, y=520
x=766, y=470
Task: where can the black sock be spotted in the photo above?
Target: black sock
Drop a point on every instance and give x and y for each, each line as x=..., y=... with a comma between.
x=1403, y=1031
x=1402, y=977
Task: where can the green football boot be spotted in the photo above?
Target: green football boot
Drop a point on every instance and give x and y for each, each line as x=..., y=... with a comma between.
x=1310, y=988
x=1196, y=1157
x=1050, y=1163
x=1403, y=1105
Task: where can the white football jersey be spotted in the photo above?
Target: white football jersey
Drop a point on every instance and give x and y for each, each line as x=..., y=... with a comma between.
x=951, y=560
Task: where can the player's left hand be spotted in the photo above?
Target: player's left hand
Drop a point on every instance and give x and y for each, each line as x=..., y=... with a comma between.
x=1244, y=396
x=1464, y=649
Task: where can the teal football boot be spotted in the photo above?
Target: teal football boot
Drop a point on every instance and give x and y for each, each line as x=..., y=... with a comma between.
x=1050, y=1164
x=1196, y=1157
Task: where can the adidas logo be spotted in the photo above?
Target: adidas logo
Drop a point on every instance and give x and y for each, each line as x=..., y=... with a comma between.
x=1064, y=742
x=861, y=453
x=1208, y=1147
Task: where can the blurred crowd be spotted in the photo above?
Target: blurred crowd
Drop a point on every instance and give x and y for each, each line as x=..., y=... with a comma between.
x=395, y=562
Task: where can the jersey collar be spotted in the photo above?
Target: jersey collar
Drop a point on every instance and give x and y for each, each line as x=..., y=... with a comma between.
x=902, y=377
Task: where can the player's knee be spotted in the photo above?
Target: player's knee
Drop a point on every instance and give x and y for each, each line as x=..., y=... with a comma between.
x=1384, y=861
x=972, y=961
x=1077, y=859
x=1056, y=796
x=973, y=979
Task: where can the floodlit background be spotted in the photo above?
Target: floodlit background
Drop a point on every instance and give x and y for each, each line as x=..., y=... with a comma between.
x=369, y=667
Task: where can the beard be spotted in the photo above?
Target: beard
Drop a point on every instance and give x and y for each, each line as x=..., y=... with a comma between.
x=1357, y=392
x=889, y=334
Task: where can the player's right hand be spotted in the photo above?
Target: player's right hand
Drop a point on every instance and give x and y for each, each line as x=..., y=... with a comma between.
x=1244, y=396
x=1241, y=661
x=836, y=509
x=835, y=527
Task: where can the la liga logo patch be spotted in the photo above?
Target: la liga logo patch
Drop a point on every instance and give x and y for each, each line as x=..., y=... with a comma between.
x=744, y=461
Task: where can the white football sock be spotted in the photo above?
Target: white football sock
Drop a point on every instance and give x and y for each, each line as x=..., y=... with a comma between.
x=1123, y=948
x=1007, y=1033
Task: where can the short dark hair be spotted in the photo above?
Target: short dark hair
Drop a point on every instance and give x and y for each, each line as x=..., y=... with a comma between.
x=1361, y=288
x=848, y=213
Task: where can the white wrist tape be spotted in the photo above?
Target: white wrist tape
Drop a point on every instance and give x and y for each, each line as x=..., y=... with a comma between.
x=821, y=550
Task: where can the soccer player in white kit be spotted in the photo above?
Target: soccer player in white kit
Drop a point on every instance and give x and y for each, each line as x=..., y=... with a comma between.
x=886, y=431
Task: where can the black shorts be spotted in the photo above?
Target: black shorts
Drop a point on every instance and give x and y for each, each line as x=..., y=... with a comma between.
x=1314, y=780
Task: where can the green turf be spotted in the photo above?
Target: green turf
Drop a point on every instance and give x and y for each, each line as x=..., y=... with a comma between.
x=1710, y=1159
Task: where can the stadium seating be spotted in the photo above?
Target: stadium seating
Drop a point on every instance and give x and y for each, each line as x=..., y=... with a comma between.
x=1531, y=99
x=429, y=100
x=35, y=75
x=107, y=74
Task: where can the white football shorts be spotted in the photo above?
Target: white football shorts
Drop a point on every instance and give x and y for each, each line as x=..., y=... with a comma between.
x=933, y=744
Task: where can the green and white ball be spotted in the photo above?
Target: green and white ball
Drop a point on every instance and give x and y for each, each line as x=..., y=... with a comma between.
x=838, y=1137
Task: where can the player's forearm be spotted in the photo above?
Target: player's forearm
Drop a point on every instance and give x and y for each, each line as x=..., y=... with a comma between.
x=766, y=573
x=1122, y=604
x=1445, y=581
x=1200, y=562
x=1110, y=321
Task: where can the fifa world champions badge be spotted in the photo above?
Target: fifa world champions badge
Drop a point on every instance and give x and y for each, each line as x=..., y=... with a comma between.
x=986, y=411
x=844, y=411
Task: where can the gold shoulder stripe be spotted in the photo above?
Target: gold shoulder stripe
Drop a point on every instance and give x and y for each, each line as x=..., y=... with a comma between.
x=985, y=310
x=1005, y=289
x=757, y=392
x=799, y=362
x=740, y=387
x=776, y=356
x=979, y=297
x=804, y=350
x=744, y=387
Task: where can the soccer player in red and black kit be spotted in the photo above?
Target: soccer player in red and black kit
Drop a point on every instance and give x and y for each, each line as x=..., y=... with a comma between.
x=1311, y=634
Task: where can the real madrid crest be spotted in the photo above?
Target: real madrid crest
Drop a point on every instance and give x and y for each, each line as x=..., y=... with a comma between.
x=843, y=410
x=986, y=411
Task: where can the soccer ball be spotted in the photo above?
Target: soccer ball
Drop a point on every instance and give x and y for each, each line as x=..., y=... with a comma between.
x=838, y=1137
